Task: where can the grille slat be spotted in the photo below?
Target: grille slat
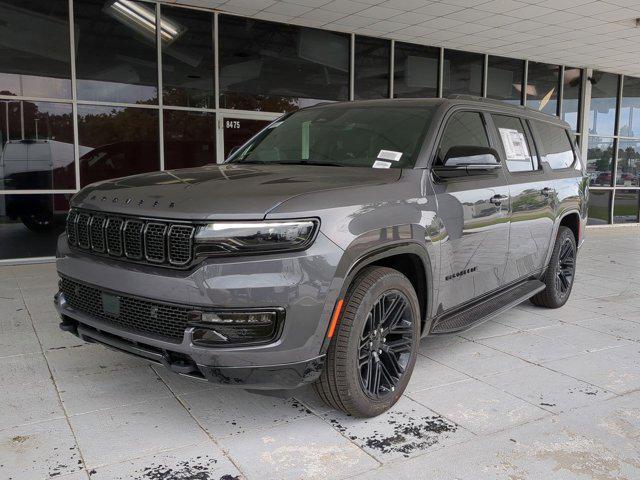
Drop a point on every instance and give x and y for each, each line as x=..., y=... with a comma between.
x=132, y=239
x=168, y=321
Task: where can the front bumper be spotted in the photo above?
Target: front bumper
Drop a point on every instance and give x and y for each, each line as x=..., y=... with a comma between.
x=302, y=283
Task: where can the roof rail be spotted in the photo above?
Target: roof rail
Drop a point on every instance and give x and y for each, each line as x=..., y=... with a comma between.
x=460, y=96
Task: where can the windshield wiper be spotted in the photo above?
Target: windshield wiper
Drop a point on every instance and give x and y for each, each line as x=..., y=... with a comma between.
x=323, y=164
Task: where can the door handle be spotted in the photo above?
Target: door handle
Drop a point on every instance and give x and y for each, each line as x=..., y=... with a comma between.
x=498, y=199
x=546, y=191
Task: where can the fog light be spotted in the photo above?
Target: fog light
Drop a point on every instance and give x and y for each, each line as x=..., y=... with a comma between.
x=223, y=328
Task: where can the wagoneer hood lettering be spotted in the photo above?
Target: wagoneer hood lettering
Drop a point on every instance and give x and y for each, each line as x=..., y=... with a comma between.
x=222, y=191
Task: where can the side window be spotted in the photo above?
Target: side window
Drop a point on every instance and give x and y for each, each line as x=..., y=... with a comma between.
x=463, y=129
x=556, y=145
x=516, y=142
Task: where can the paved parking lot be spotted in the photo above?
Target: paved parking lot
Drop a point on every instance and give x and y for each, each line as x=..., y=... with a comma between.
x=534, y=394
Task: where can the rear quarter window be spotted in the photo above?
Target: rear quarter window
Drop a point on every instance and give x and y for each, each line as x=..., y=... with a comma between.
x=556, y=145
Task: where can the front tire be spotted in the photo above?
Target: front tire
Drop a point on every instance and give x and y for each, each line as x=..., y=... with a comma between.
x=374, y=347
x=560, y=273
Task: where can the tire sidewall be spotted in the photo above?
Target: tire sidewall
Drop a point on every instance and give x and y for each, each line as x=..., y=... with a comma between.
x=564, y=235
x=363, y=402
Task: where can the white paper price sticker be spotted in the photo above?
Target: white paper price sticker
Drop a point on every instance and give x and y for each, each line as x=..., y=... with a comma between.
x=515, y=145
x=381, y=164
x=389, y=155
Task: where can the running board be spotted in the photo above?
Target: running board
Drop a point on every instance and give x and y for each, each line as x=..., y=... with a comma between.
x=487, y=308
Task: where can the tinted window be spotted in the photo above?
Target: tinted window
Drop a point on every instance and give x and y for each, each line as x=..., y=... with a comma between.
x=34, y=48
x=625, y=206
x=116, y=58
x=379, y=137
x=542, y=87
x=277, y=67
x=189, y=138
x=602, y=109
x=416, y=71
x=371, y=76
x=517, y=145
x=36, y=146
x=504, y=79
x=571, y=91
x=599, y=207
x=462, y=73
x=463, y=129
x=628, y=170
x=556, y=145
x=116, y=142
x=630, y=108
x=187, y=58
x=600, y=161
x=30, y=224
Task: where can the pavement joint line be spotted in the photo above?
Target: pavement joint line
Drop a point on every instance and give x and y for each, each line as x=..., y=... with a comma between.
x=55, y=386
x=199, y=424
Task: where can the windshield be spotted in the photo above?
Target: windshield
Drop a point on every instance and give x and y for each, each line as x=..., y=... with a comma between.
x=350, y=136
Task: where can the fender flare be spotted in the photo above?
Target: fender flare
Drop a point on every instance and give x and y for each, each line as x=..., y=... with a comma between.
x=380, y=253
x=556, y=227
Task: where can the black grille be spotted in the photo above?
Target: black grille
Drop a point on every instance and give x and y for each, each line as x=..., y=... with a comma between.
x=133, y=239
x=167, y=321
x=180, y=241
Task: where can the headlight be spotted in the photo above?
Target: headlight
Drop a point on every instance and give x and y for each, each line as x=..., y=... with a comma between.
x=251, y=237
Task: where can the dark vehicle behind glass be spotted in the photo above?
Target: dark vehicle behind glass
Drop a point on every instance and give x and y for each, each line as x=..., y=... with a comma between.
x=326, y=246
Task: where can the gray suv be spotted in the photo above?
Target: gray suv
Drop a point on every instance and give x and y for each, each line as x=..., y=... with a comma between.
x=326, y=246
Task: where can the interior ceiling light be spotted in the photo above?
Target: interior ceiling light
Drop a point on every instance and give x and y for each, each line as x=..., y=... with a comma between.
x=142, y=19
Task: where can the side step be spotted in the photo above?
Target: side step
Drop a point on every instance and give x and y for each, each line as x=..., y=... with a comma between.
x=485, y=309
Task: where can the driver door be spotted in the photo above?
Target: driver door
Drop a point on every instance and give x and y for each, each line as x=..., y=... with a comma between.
x=475, y=213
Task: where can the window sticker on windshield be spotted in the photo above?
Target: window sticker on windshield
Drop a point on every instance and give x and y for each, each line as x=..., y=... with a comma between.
x=381, y=164
x=389, y=155
x=515, y=145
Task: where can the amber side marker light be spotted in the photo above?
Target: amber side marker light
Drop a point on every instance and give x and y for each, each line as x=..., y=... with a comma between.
x=334, y=319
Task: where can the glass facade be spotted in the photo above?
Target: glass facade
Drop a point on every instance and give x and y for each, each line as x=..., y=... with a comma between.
x=147, y=95
x=613, y=160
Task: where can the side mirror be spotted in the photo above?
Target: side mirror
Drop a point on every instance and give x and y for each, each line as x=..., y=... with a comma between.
x=465, y=160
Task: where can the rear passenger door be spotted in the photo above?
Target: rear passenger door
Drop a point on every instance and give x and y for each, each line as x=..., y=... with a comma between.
x=475, y=213
x=532, y=197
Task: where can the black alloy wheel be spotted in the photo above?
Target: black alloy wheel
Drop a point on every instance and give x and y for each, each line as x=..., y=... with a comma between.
x=385, y=344
x=374, y=346
x=560, y=273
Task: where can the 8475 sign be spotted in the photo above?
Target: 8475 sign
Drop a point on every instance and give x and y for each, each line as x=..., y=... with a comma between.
x=232, y=124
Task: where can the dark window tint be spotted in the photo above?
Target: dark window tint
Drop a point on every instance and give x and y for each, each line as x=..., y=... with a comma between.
x=378, y=137
x=189, y=138
x=630, y=108
x=34, y=48
x=517, y=145
x=116, y=58
x=463, y=129
x=36, y=146
x=416, y=71
x=542, y=87
x=602, y=110
x=371, y=72
x=236, y=131
x=30, y=224
x=556, y=146
x=187, y=58
x=599, y=207
x=276, y=67
x=625, y=206
x=504, y=79
x=462, y=73
x=628, y=170
x=571, y=91
x=600, y=161
x=116, y=142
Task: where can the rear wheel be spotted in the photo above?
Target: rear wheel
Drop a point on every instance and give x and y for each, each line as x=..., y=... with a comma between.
x=560, y=273
x=374, y=347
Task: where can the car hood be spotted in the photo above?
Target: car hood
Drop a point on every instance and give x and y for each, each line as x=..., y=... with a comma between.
x=228, y=191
